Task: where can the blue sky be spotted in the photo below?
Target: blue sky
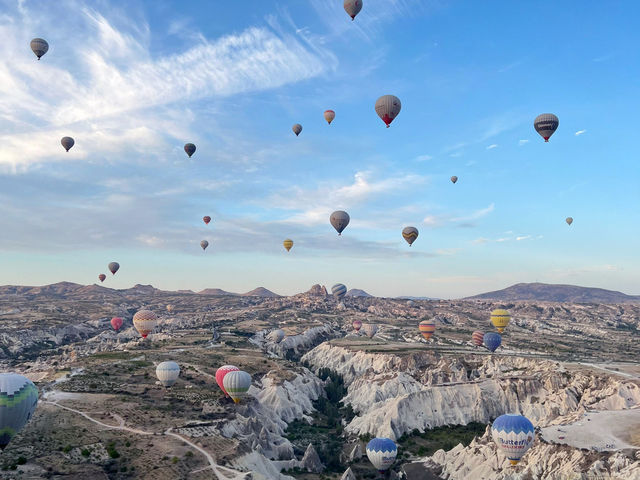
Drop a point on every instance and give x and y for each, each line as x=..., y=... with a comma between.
x=132, y=84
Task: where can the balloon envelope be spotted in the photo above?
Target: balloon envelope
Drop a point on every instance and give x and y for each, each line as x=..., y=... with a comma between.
x=206, y=219
x=492, y=341
x=339, y=219
x=18, y=400
x=220, y=374
x=168, y=373
x=329, y=115
x=67, y=143
x=236, y=384
x=145, y=321
x=477, y=338
x=546, y=124
x=102, y=277
x=114, y=267
x=514, y=435
x=454, y=179
x=410, y=234
x=116, y=323
x=352, y=7
x=388, y=107
x=500, y=319
x=339, y=290
x=190, y=149
x=382, y=453
x=569, y=220
x=369, y=329
x=39, y=46
x=170, y=308
x=288, y=243
x=297, y=128
x=357, y=324
x=204, y=244
x=427, y=327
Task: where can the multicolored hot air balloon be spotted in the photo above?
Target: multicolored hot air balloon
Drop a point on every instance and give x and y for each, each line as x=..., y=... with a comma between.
x=204, y=244
x=168, y=373
x=288, y=243
x=427, y=327
x=67, y=143
x=116, y=323
x=236, y=384
x=339, y=290
x=114, y=267
x=514, y=435
x=388, y=107
x=492, y=341
x=18, y=400
x=297, y=128
x=410, y=234
x=369, y=329
x=477, y=338
x=145, y=321
x=170, y=308
x=276, y=336
x=546, y=124
x=339, y=219
x=454, y=179
x=329, y=115
x=569, y=220
x=357, y=324
x=220, y=374
x=102, y=277
x=352, y=7
x=189, y=149
x=206, y=219
x=39, y=46
x=500, y=319
x=382, y=453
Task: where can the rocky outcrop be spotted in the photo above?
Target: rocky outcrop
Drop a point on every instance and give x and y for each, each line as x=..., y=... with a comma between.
x=348, y=475
x=311, y=461
x=317, y=291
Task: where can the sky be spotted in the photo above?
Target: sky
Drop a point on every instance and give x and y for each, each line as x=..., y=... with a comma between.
x=132, y=82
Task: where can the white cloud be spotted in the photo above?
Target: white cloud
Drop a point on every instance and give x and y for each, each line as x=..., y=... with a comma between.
x=480, y=241
x=463, y=220
x=492, y=146
x=423, y=158
x=580, y=132
x=522, y=142
x=523, y=237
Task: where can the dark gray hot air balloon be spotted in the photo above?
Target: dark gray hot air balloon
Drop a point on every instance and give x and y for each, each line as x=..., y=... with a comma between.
x=339, y=290
x=546, y=124
x=410, y=234
x=114, y=267
x=352, y=7
x=339, y=219
x=297, y=128
x=569, y=220
x=388, y=107
x=39, y=47
x=454, y=179
x=190, y=148
x=67, y=143
x=204, y=244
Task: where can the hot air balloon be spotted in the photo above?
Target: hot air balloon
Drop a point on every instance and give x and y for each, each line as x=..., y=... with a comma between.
x=410, y=234
x=329, y=115
x=288, y=243
x=357, y=324
x=382, y=453
x=170, y=308
x=369, y=329
x=454, y=179
x=114, y=267
x=477, y=338
x=145, y=321
x=569, y=220
x=206, y=219
x=204, y=244
x=546, y=124
x=500, y=319
x=339, y=219
x=352, y=7
x=39, y=46
x=67, y=143
x=411, y=303
x=236, y=384
x=492, y=341
x=18, y=400
x=168, y=373
x=388, y=107
x=220, y=374
x=297, y=128
x=102, y=277
x=190, y=149
x=116, y=323
x=339, y=290
x=514, y=435
x=276, y=336
x=427, y=327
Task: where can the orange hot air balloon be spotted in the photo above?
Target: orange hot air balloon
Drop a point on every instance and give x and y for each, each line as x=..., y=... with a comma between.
x=329, y=115
x=206, y=219
x=427, y=327
x=102, y=277
x=477, y=338
x=116, y=323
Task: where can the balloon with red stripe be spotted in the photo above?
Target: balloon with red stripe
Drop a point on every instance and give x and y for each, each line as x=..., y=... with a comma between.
x=427, y=327
x=478, y=338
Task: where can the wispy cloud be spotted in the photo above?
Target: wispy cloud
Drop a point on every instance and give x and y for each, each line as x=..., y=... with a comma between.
x=580, y=132
x=492, y=146
x=523, y=237
x=522, y=142
x=461, y=220
x=423, y=158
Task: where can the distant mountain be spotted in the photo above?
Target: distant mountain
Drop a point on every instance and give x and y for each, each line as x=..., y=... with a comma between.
x=544, y=292
x=214, y=291
x=57, y=289
x=417, y=298
x=356, y=292
x=260, y=292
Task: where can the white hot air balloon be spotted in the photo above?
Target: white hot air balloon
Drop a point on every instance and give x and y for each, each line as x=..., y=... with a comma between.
x=236, y=384
x=168, y=373
x=369, y=329
x=514, y=435
x=382, y=453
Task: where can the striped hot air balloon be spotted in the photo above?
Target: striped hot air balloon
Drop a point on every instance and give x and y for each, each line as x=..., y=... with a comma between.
x=514, y=435
x=500, y=319
x=410, y=234
x=492, y=341
x=145, y=321
x=39, y=47
x=168, y=373
x=18, y=401
x=382, y=453
x=477, y=338
x=288, y=243
x=236, y=384
x=116, y=323
x=427, y=327
x=339, y=290
x=220, y=374
x=369, y=329
x=357, y=324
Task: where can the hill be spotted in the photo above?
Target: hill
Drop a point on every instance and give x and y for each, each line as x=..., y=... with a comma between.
x=214, y=291
x=356, y=292
x=260, y=292
x=545, y=292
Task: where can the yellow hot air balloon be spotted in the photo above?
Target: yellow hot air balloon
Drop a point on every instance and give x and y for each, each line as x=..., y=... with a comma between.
x=288, y=243
x=500, y=319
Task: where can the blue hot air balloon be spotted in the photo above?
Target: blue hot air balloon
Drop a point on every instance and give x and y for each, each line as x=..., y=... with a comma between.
x=382, y=453
x=339, y=290
x=492, y=340
x=514, y=435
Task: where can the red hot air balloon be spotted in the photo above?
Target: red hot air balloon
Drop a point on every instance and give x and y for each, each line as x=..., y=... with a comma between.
x=221, y=372
x=357, y=325
x=102, y=277
x=477, y=338
x=116, y=323
x=206, y=219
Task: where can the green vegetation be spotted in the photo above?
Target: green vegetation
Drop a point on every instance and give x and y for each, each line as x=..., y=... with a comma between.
x=111, y=450
x=447, y=437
